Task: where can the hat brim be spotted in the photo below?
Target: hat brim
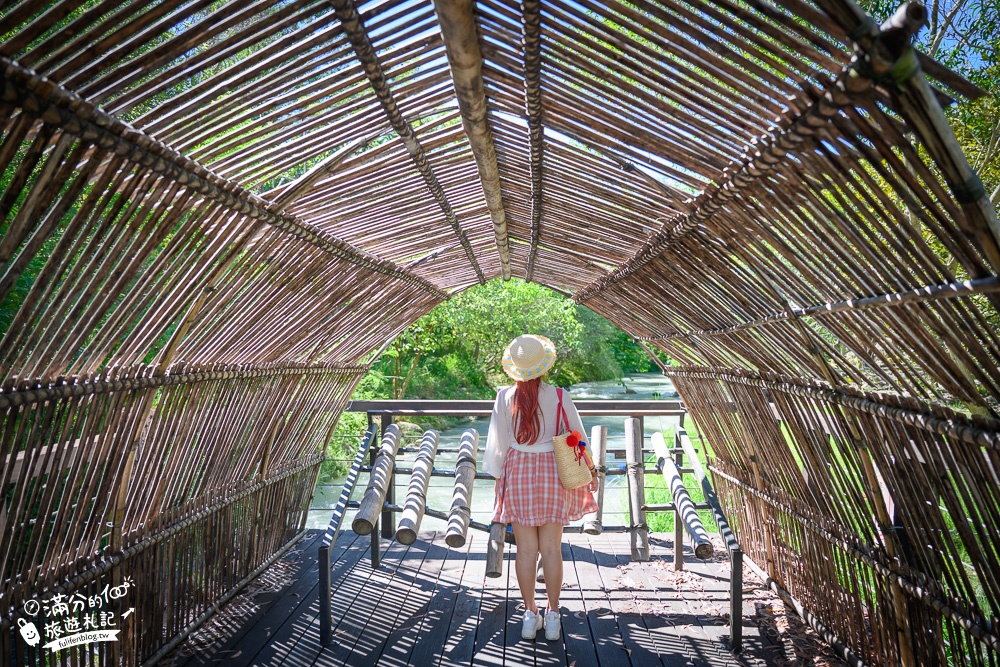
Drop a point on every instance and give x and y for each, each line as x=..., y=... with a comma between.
x=532, y=372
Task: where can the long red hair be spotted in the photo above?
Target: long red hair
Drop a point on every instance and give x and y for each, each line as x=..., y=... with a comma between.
x=525, y=411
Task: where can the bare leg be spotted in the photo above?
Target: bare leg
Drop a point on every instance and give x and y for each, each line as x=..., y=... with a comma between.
x=550, y=545
x=524, y=563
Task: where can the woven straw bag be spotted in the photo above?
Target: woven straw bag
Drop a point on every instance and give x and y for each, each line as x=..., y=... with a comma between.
x=572, y=461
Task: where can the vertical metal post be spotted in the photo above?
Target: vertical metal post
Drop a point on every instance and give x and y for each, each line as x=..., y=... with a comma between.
x=736, y=601
x=329, y=539
x=325, y=613
x=374, y=535
x=732, y=545
x=388, y=520
x=678, y=519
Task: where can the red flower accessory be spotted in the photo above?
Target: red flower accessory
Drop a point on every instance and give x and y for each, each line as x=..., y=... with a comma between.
x=575, y=440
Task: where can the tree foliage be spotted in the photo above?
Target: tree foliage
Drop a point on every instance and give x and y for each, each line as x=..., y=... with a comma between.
x=964, y=35
x=455, y=350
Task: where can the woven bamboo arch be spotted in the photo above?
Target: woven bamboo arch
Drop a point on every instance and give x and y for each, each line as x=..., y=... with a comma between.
x=213, y=213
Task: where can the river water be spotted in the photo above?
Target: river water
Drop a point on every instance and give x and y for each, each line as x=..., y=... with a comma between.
x=646, y=387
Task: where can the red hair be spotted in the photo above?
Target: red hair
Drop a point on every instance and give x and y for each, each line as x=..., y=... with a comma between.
x=525, y=411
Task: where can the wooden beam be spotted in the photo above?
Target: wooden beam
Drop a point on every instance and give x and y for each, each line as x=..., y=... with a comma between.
x=532, y=18
x=354, y=28
x=461, y=42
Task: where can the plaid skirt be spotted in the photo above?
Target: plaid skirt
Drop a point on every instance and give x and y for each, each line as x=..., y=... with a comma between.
x=530, y=493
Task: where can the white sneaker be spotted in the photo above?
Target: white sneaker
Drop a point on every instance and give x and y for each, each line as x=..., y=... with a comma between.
x=552, y=625
x=531, y=624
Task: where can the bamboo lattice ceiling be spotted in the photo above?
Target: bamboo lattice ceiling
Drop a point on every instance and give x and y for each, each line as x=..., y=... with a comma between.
x=694, y=184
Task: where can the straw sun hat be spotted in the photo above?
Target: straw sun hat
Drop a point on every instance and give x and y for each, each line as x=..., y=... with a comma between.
x=529, y=357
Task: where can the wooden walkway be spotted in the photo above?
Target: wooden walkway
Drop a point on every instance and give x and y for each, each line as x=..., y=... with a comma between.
x=428, y=604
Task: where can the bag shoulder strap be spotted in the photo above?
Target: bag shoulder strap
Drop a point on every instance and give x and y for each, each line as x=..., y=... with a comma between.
x=561, y=412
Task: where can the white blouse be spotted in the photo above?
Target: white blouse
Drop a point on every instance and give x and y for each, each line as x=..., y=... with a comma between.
x=502, y=429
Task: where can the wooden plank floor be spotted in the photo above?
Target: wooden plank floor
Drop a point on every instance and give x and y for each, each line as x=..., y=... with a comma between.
x=428, y=604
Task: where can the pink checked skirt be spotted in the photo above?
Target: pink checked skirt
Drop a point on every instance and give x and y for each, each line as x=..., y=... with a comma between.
x=530, y=493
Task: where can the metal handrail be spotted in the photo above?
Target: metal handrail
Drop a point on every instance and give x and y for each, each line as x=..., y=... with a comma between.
x=330, y=537
x=388, y=409
x=484, y=408
x=732, y=544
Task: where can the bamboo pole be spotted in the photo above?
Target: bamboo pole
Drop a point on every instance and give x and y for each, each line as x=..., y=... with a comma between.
x=828, y=636
x=287, y=194
x=93, y=572
x=461, y=503
x=683, y=504
x=795, y=128
x=458, y=27
x=353, y=25
x=890, y=44
x=876, y=493
x=929, y=293
x=416, y=494
x=981, y=432
x=531, y=10
x=329, y=538
x=732, y=545
x=678, y=516
x=883, y=566
x=388, y=518
x=76, y=116
x=380, y=477
x=494, y=549
x=176, y=640
x=636, y=489
x=89, y=387
x=854, y=219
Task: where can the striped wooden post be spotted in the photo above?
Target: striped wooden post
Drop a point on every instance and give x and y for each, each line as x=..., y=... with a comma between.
x=416, y=494
x=636, y=489
x=461, y=499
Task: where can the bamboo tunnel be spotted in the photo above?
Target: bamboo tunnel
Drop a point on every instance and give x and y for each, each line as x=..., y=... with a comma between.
x=461, y=502
x=683, y=504
x=416, y=494
x=594, y=522
x=206, y=244
x=378, y=482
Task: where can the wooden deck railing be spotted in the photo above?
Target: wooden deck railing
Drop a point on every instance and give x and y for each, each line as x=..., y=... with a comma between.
x=379, y=503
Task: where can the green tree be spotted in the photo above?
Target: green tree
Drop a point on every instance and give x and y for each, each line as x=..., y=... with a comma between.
x=964, y=35
x=455, y=350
